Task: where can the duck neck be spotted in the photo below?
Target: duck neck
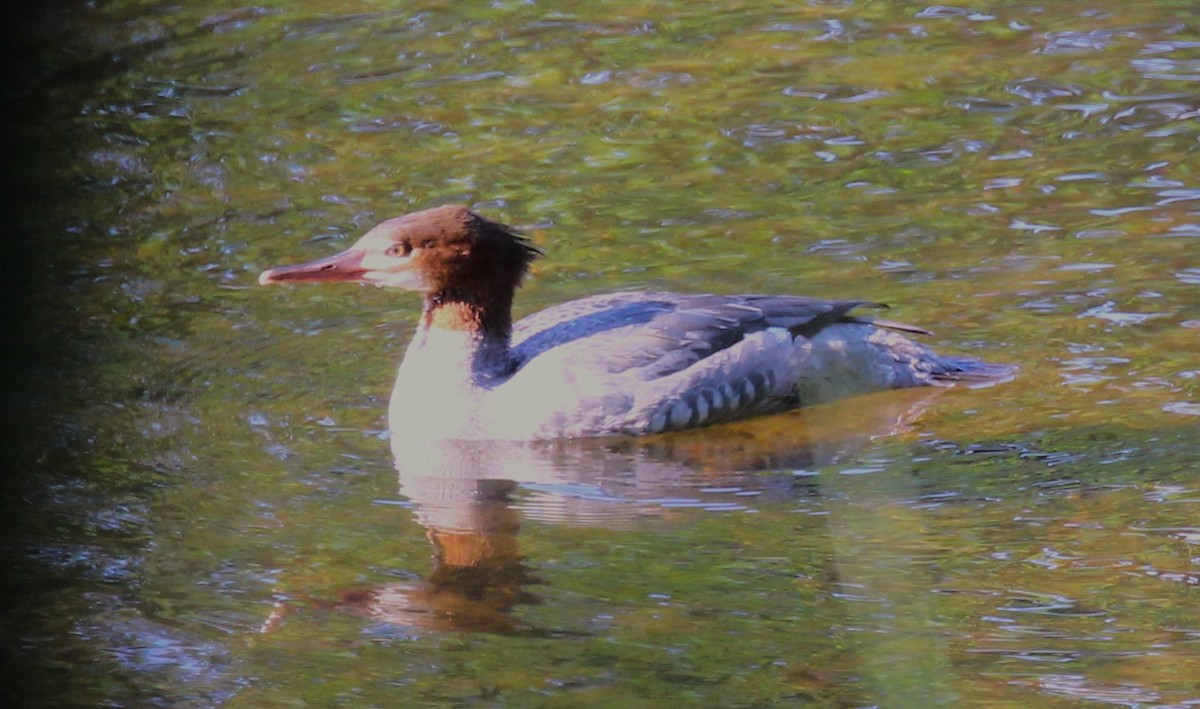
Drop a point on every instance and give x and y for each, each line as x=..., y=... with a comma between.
x=465, y=336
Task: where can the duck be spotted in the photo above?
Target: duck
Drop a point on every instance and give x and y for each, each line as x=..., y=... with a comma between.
x=626, y=363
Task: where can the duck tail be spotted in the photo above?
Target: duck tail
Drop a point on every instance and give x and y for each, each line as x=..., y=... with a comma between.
x=897, y=326
x=972, y=371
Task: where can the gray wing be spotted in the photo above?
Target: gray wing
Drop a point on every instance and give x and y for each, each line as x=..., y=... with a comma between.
x=651, y=335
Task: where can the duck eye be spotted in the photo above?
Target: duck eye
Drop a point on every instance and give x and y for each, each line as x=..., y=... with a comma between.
x=400, y=248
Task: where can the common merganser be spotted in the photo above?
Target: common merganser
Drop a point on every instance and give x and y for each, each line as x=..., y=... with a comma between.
x=639, y=362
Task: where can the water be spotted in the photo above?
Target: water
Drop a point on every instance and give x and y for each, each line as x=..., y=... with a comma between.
x=204, y=506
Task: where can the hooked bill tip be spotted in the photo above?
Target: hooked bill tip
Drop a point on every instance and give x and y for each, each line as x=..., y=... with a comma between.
x=341, y=267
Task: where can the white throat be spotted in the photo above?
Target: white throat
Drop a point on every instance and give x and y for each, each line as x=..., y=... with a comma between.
x=442, y=382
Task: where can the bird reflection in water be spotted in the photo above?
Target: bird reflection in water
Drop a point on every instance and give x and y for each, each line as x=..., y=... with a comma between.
x=471, y=497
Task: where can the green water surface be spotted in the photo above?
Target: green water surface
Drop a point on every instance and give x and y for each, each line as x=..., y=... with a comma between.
x=203, y=504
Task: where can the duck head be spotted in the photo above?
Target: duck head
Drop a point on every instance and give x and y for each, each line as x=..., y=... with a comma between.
x=444, y=253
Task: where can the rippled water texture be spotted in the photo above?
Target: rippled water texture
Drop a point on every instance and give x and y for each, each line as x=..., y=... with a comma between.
x=204, y=508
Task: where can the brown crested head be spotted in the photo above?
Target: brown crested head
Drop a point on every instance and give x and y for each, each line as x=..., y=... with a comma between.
x=446, y=253
x=458, y=254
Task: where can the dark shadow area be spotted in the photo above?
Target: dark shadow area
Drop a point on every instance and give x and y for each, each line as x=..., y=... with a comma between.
x=42, y=87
